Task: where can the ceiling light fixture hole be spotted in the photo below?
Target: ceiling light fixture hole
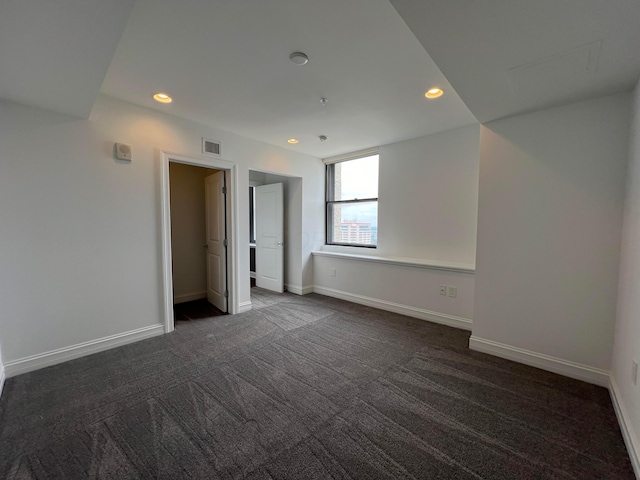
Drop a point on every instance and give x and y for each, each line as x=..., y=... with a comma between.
x=434, y=92
x=162, y=97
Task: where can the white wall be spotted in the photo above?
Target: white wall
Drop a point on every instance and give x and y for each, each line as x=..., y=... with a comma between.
x=549, y=223
x=188, y=231
x=257, y=178
x=626, y=347
x=81, y=242
x=428, y=191
x=412, y=291
x=429, y=196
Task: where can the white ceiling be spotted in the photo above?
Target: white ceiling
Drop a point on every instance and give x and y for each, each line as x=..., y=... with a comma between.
x=54, y=53
x=226, y=63
x=506, y=57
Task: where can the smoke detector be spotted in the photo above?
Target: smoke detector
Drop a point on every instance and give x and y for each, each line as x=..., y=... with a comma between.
x=299, y=58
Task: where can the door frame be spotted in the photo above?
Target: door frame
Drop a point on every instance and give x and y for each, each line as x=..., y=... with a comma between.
x=231, y=174
x=279, y=240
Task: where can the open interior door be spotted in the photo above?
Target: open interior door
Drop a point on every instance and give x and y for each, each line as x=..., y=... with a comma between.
x=269, y=237
x=215, y=208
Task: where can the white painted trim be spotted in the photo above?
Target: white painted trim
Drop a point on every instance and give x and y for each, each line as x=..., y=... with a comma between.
x=402, y=261
x=233, y=278
x=244, y=306
x=53, y=357
x=421, y=313
x=167, y=272
x=540, y=360
x=628, y=434
x=189, y=297
x=298, y=289
x=352, y=156
x=233, y=234
x=2, y=378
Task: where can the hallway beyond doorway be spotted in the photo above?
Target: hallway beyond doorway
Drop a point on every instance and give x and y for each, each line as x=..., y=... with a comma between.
x=195, y=310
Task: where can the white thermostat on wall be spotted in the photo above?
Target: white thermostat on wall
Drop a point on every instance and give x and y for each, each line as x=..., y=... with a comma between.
x=123, y=151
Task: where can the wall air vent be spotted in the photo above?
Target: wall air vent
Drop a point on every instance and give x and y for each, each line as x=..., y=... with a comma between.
x=210, y=147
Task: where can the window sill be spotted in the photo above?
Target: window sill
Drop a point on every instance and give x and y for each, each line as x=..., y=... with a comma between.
x=402, y=261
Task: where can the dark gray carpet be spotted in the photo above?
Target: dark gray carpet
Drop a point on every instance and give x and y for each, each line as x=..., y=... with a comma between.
x=306, y=388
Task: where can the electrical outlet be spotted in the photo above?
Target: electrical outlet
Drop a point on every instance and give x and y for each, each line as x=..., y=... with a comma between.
x=443, y=289
x=453, y=292
x=333, y=272
x=634, y=372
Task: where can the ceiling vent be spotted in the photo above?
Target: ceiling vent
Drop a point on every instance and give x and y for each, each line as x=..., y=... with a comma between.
x=210, y=147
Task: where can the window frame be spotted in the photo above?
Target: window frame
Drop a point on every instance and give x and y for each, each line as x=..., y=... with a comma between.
x=330, y=195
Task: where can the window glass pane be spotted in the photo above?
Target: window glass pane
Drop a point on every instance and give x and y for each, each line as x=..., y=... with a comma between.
x=354, y=223
x=356, y=179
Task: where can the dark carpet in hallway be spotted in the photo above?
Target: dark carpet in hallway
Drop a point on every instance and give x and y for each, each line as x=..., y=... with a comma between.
x=306, y=388
x=195, y=310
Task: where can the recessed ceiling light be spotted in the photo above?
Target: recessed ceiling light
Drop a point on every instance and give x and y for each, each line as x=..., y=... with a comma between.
x=292, y=141
x=434, y=93
x=299, y=58
x=162, y=98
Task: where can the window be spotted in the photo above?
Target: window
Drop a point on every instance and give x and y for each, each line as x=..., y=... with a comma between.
x=352, y=200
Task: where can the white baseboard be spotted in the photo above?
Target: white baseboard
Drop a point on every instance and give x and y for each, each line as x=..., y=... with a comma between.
x=35, y=362
x=421, y=313
x=540, y=360
x=244, y=306
x=630, y=438
x=189, y=297
x=299, y=290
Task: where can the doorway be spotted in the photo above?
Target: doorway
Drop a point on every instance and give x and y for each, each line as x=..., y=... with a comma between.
x=210, y=264
x=198, y=231
x=275, y=215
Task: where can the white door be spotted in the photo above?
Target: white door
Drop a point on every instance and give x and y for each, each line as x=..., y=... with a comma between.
x=214, y=188
x=269, y=237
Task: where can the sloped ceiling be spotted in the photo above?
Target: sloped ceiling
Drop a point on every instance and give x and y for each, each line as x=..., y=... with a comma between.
x=54, y=54
x=226, y=62
x=508, y=57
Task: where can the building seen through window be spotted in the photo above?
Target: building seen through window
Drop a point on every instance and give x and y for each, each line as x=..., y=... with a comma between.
x=352, y=201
